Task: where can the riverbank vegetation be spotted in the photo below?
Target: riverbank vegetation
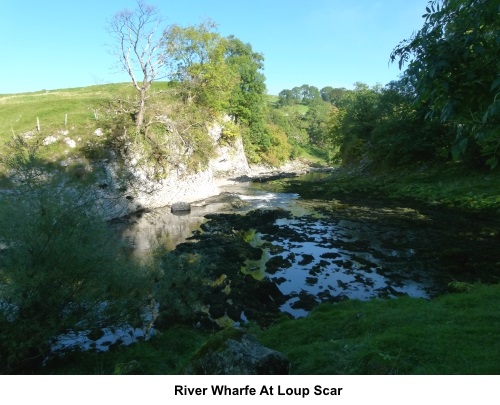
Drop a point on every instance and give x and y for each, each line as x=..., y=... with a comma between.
x=453, y=334
x=430, y=139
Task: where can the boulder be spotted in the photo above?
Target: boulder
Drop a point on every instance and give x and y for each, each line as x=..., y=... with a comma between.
x=235, y=352
x=180, y=207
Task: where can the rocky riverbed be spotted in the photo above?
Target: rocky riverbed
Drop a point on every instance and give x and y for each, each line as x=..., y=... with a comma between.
x=270, y=253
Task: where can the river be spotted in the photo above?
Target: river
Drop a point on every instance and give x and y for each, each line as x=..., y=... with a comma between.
x=331, y=250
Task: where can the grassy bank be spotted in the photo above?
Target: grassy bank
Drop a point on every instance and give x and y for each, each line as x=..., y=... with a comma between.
x=457, y=333
x=452, y=185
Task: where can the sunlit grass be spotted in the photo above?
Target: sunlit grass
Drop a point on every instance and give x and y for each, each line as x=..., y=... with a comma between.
x=66, y=113
x=454, y=334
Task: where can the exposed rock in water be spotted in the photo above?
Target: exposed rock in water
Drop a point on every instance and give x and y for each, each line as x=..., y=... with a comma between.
x=234, y=352
x=180, y=207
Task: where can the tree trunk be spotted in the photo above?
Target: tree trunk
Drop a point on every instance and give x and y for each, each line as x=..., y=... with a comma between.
x=142, y=108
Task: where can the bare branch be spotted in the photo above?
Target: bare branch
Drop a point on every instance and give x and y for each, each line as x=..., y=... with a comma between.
x=139, y=49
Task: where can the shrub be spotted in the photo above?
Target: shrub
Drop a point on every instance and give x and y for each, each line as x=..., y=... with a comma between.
x=61, y=268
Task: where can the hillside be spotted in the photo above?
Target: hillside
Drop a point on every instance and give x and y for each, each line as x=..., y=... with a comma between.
x=79, y=111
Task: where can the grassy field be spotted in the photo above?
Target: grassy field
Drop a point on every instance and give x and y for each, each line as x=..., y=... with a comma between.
x=67, y=118
x=67, y=113
x=18, y=112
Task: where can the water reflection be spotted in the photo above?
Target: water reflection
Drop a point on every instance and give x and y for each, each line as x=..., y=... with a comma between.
x=327, y=250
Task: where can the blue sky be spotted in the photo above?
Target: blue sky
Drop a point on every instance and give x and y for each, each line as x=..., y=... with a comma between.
x=59, y=44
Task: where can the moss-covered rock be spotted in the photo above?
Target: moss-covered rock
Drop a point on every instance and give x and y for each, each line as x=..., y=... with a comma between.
x=235, y=352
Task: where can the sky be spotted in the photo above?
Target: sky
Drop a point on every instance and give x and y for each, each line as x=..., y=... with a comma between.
x=47, y=45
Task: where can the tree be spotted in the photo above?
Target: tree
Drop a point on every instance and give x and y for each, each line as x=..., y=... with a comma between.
x=248, y=100
x=287, y=97
x=138, y=49
x=196, y=56
x=351, y=124
x=316, y=117
x=333, y=95
x=402, y=135
x=454, y=63
x=309, y=94
x=248, y=104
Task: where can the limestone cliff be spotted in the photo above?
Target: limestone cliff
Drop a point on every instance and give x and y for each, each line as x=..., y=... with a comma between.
x=118, y=197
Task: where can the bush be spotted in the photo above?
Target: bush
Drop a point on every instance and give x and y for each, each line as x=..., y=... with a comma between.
x=61, y=268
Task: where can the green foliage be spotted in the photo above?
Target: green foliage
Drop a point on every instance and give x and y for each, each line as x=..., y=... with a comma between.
x=316, y=118
x=280, y=149
x=197, y=60
x=446, y=185
x=304, y=94
x=352, y=125
x=335, y=134
x=402, y=135
x=182, y=281
x=248, y=100
x=332, y=95
x=61, y=268
x=453, y=61
x=453, y=334
x=382, y=127
x=292, y=122
x=230, y=132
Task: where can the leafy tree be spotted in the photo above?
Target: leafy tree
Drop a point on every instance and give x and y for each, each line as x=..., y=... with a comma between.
x=402, y=135
x=287, y=97
x=280, y=149
x=248, y=104
x=316, y=118
x=333, y=95
x=335, y=134
x=360, y=119
x=248, y=100
x=308, y=94
x=292, y=123
x=454, y=60
x=303, y=95
x=196, y=57
x=138, y=50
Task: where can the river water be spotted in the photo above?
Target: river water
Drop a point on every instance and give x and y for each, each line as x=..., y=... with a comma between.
x=333, y=250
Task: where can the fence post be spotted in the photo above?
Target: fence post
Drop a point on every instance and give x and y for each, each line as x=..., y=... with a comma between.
x=37, y=124
x=65, y=120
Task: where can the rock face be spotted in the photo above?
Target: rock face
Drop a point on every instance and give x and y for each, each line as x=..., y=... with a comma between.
x=143, y=192
x=234, y=352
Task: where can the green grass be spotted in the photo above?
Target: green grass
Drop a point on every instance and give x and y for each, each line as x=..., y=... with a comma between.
x=18, y=112
x=67, y=113
x=451, y=185
x=455, y=334
x=313, y=154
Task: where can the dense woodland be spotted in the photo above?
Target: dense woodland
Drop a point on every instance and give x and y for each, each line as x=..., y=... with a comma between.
x=445, y=108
